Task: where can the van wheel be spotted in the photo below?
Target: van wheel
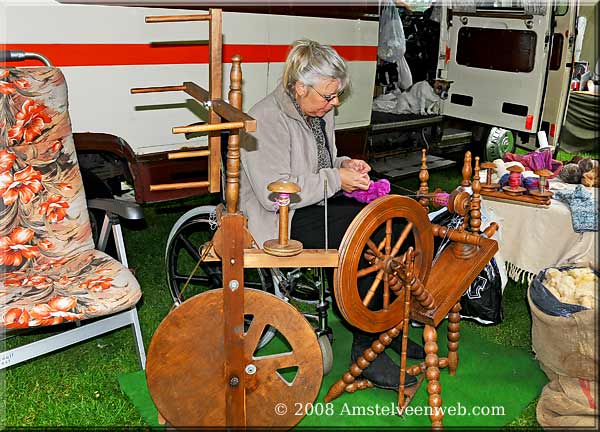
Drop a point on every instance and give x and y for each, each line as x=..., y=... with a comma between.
x=500, y=141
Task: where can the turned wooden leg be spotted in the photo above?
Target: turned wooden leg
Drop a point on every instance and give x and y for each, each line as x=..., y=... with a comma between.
x=363, y=362
x=434, y=387
x=453, y=336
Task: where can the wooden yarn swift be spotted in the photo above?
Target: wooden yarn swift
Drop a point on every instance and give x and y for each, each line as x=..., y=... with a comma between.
x=203, y=369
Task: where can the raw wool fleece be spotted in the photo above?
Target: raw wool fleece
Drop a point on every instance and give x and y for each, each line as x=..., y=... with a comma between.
x=566, y=350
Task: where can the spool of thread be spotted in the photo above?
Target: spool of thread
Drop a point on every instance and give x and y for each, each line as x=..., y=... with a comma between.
x=440, y=199
x=514, y=180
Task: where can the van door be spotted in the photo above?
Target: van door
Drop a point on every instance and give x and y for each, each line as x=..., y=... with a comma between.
x=560, y=68
x=498, y=60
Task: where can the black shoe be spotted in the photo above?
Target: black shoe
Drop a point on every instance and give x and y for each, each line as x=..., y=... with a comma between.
x=382, y=372
x=413, y=349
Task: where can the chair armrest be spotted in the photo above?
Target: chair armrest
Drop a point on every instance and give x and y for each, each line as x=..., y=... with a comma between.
x=126, y=209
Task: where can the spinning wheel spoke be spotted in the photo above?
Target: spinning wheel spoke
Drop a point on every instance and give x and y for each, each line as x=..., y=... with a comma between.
x=375, y=249
x=407, y=229
x=373, y=288
x=368, y=270
x=388, y=236
x=386, y=292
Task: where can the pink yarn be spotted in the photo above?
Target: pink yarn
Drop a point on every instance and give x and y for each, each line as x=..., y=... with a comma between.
x=376, y=189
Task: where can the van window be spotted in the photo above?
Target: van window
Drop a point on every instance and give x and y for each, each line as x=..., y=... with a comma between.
x=514, y=50
x=561, y=9
x=556, y=54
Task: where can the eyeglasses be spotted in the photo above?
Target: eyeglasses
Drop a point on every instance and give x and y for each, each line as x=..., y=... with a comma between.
x=328, y=98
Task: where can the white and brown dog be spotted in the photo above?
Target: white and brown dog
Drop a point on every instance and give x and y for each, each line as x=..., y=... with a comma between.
x=421, y=98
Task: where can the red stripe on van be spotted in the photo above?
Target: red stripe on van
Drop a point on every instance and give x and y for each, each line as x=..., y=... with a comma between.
x=147, y=54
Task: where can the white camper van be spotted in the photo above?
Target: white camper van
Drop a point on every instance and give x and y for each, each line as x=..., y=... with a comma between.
x=510, y=64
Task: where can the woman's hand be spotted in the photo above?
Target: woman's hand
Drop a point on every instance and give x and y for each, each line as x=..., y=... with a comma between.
x=352, y=180
x=357, y=165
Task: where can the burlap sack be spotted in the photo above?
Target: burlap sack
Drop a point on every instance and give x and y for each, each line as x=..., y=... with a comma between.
x=568, y=402
x=566, y=350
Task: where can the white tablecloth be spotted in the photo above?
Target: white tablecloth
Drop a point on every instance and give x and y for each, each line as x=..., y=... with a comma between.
x=531, y=239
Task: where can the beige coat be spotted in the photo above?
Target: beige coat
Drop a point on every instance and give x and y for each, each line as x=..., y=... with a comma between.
x=282, y=148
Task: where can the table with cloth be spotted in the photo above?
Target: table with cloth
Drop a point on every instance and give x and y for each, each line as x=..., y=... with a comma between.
x=534, y=238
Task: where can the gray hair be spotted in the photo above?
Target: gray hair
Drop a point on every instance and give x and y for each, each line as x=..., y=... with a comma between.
x=309, y=62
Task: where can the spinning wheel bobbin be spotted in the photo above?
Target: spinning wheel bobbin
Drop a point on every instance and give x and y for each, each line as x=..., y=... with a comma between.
x=542, y=193
x=284, y=246
x=514, y=187
x=490, y=167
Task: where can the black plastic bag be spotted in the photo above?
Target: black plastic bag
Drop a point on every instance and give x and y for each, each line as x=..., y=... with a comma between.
x=482, y=302
x=546, y=301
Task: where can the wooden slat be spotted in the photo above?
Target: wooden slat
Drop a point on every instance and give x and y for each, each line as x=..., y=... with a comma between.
x=188, y=154
x=178, y=18
x=231, y=113
x=176, y=186
x=197, y=92
x=208, y=127
x=215, y=90
x=450, y=278
x=138, y=90
x=256, y=258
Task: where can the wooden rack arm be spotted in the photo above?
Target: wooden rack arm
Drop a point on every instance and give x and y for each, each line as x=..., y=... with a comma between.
x=195, y=91
x=208, y=127
x=178, y=18
x=138, y=90
x=179, y=186
x=232, y=114
x=188, y=154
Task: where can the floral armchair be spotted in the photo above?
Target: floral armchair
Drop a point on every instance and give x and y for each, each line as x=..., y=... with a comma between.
x=50, y=271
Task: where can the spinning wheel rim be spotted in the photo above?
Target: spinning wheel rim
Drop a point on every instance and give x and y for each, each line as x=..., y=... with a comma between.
x=185, y=373
x=351, y=249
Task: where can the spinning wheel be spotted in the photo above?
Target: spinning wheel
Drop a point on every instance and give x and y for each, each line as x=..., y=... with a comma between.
x=186, y=368
x=363, y=252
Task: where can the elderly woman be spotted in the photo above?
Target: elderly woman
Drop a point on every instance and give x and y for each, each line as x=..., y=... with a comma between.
x=295, y=141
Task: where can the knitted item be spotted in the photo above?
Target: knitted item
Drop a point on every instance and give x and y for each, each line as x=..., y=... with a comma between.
x=535, y=160
x=376, y=189
x=584, y=211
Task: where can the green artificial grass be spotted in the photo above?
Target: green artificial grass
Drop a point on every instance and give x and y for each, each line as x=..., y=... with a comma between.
x=78, y=386
x=497, y=378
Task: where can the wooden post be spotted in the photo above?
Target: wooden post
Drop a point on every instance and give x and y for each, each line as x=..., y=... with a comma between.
x=423, y=177
x=233, y=148
x=215, y=48
x=466, y=170
x=475, y=218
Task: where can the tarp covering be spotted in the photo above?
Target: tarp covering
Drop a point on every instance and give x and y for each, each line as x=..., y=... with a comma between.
x=582, y=123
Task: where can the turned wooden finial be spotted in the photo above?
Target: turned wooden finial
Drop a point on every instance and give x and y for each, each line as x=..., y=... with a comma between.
x=233, y=145
x=475, y=217
x=283, y=246
x=466, y=171
x=423, y=177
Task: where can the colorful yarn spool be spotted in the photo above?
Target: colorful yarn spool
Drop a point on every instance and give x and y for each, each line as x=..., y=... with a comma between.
x=440, y=199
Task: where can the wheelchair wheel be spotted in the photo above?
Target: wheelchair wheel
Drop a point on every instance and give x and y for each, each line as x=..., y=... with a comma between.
x=190, y=232
x=326, y=353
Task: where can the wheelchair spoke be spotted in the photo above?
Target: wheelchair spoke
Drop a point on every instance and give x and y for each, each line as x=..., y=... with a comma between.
x=190, y=248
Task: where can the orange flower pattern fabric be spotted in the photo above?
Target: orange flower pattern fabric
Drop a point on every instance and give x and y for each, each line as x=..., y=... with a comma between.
x=50, y=272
